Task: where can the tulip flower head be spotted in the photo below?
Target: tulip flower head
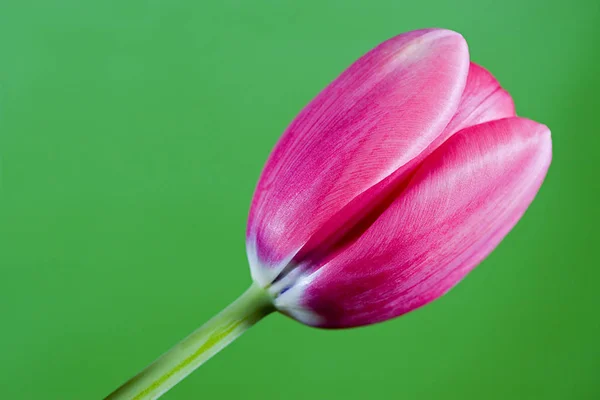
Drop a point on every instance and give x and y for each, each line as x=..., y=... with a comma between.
x=392, y=184
x=384, y=192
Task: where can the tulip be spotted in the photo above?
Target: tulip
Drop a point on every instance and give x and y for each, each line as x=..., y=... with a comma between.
x=386, y=190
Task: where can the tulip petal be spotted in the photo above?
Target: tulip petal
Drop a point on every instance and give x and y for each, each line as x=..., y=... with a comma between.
x=379, y=114
x=460, y=203
x=483, y=100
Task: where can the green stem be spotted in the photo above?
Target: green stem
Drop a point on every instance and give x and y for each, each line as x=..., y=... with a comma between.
x=198, y=347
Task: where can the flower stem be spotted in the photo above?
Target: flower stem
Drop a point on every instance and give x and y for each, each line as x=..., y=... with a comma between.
x=193, y=351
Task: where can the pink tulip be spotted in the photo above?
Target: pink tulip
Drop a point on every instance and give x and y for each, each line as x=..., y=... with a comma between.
x=385, y=191
x=392, y=184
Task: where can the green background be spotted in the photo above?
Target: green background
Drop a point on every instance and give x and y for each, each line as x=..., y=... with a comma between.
x=131, y=137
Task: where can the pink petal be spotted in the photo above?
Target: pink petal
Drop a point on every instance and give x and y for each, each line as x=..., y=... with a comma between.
x=483, y=100
x=457, y=207
x=379, y=114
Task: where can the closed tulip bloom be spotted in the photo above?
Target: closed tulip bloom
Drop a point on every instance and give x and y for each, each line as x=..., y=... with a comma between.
x=386, y=190
x=392, y=184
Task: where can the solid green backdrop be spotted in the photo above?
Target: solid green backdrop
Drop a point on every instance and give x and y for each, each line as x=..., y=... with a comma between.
x=132, y=134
